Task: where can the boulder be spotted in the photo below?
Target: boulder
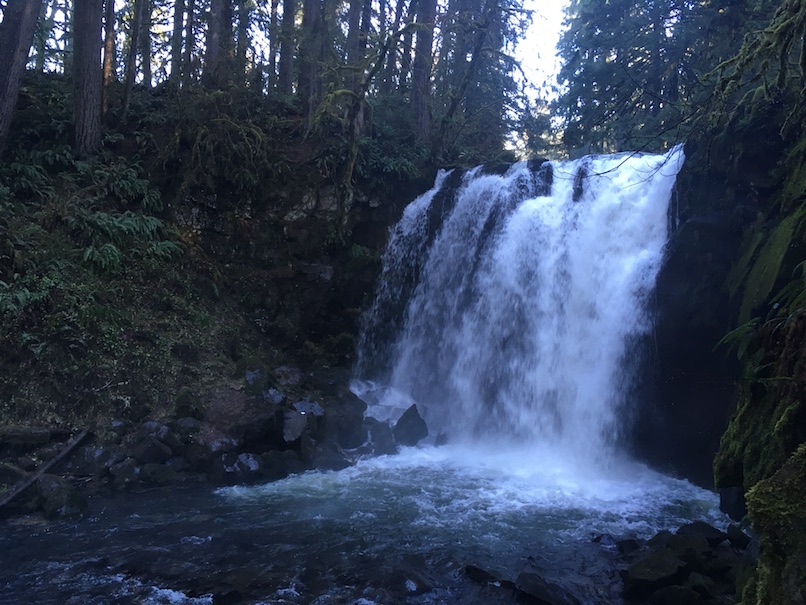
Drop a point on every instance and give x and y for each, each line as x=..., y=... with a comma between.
x=150, y=450
x=95, y=460
x=380, y=437
x=701, y=528
x=675, y=595
x=330, y=457
x=59, y=498
x=410, y=428
x=294, y=424
x=541, y=592
x=658, y=569
x=737, y=537
x=279, y=464
x=125, y=474
x=157, y=474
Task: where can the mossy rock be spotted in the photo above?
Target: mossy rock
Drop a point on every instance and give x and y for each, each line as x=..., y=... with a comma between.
x=777, y=509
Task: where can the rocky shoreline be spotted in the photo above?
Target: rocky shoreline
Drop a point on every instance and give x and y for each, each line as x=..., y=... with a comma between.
x=263, y=428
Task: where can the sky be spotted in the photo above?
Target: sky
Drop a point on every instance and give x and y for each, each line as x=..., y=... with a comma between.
x=537, y=51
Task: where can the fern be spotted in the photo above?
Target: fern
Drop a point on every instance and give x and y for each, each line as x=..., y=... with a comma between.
x=741, y=338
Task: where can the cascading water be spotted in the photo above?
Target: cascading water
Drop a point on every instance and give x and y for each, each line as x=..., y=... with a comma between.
x=531, y=290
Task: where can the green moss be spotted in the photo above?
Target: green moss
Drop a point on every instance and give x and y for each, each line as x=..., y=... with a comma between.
x=777, y=508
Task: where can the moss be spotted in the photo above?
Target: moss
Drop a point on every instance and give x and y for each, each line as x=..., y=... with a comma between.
x=777, y=508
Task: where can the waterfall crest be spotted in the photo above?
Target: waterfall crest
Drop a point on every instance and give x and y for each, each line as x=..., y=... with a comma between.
x=509, y=303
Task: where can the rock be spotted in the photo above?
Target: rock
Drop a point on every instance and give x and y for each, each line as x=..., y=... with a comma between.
x=477, y=574
x=125, y=474
x=237, y=468
x=692, y=548
x=287, y=376
x=542, y=592
x=273, y=396
x=380, y=437
x=732, y=502
x=628, y=546
x=150, y=450
x=59, y=498
x=279, y=464
x=737, y=537
x=157, y=474
x=95, y=460
x=675, y=595
x=703, y=585
x=701, y=528
x=330, y=457
x=163, y=433
x=294, y=424
x=658, y=569
x=659, y=539
x=410, y=428
x=185, y=428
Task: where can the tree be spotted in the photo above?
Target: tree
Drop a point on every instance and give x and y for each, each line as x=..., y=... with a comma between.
x=421, y=69
x=16, y=35
x=176, y=43
x=87, y=83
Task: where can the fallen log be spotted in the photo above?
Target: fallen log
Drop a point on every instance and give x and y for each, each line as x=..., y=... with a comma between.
x=69, y=447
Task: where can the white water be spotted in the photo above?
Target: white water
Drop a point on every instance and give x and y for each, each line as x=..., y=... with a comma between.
x=527, y=307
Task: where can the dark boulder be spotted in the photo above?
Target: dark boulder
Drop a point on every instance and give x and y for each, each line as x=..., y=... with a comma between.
x=380, y=438
x=658, y=569
x=150, y=450
x=59, y=498
x=410, y=428
x=737, y=537
x=675, y=595
x=279, y=464
x=329, y=456
x=95, y=461
x=125, y=474
x=701, y=528
x=537, y=590
x=294, y=424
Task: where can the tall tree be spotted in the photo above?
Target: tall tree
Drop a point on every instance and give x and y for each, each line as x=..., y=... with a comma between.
x=87, y=76
x=144, y=42
x=274, y=43
x=220, y=44
x=176, y=43
x=131, y=57
x=285, y=74
x=190, y=43
x=421, y=69
x=109, y=54
x=16, y=35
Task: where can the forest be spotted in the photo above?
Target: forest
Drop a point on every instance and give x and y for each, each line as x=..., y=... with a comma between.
x=196, y=191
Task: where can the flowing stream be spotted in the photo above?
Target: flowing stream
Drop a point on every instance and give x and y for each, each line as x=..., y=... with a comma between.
x=511, y=309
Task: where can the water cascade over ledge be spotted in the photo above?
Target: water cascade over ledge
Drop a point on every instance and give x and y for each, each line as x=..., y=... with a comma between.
x=510, y=304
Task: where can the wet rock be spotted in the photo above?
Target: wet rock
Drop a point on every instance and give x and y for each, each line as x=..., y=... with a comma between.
x=477, y=574
x=330, y=457
x=701, y=528
x=238, y=468
x=150, y=450
x=95, y=460
x=628, y=546
x=732, y=502
x=186, y=428
x=541, y=592
x=675, y=595
x=737, y=537
x=701, y=584
x=279, y=464
x=411, y=427
x=380, y=437
x=659, y=568
x=125, y=474
x=287, y=376
x=163, y=433
x=59, y=498
x=273, y=396
x=294, y=424
x=157, y=474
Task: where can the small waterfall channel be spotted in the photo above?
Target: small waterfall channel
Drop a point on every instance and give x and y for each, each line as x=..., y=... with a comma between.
x=510, y=309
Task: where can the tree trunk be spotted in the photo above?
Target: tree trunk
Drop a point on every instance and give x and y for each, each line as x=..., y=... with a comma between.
x=244, y=16
x=421, y=69
x=274, y=44
x=406, y=50
x=175, y=76
x=87, y=76
x=131, y=59
x=145, y=44
x=190, y=44
x=386, y=84
x=309, y=54
x=109, y=54
x=16, y=34
x=353, y=34
x=286, y=71
x=218, y=56
x=41, y=34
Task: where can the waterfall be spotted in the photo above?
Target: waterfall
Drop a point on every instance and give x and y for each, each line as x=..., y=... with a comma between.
x=510, y=304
